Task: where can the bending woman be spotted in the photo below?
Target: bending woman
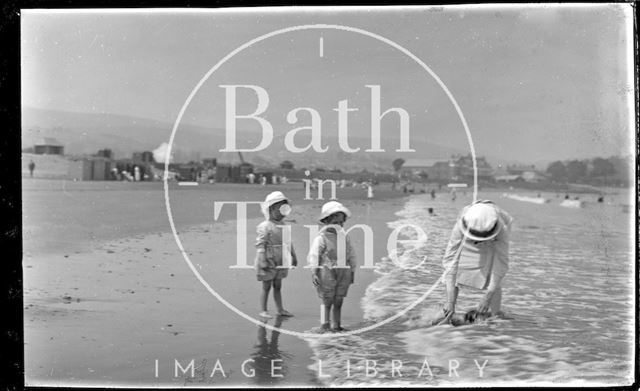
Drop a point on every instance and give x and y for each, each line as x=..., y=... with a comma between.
x=477, y=255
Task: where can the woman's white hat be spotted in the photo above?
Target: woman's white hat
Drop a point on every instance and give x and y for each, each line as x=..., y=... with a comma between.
x=332, y=207
x=272, y=198
x=480, y=222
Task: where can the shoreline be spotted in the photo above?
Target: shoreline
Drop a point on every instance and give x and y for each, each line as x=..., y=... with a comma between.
x=134, y=298
x=62, y=217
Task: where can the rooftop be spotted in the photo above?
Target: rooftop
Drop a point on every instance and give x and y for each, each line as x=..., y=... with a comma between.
x=420, y=163
x=49, y=141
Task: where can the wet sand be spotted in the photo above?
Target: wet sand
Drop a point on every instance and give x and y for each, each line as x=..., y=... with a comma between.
x=107, y=291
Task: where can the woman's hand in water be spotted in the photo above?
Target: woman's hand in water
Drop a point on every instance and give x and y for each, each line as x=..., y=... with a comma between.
x=450, y=308
x=483, y=306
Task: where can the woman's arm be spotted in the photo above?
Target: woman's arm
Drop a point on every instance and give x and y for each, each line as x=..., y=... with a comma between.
x=450, y=264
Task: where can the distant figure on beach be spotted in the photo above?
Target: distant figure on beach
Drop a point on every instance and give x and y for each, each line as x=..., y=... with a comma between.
x=431, y=212
x=32, y=167
x=332, y=276
x=270, y=250
x=433, y=194
x=453, y=194
x=127, y=176
x=477, y=255
x=136, y=173
x=263, y=180
x=600, y=199
x=566, y=197
x=369, y=191
x=251, y=177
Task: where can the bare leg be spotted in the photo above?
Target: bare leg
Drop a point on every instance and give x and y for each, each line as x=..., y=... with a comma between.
x=266, y=287
x=337, y=312
x=456, y=290
x=277, y=293
x=327, y=313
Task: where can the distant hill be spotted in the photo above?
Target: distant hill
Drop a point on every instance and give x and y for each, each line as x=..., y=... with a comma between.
x=86, y=133
x=83, y=133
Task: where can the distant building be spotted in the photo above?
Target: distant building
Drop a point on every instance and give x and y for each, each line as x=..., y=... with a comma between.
x=190, y=172
x=48, y=146
x=509, y=178
x=143, y=157
x=89, y=168
x=527, y=172
x=236, y=173
x=456, y=168
x=534, y=176
x=463, y=169
x=422, y=169
x=105, y=153
x=287, y=164
x=210, y=162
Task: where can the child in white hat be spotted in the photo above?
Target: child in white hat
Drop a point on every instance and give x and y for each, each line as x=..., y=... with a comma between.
x=270, y=250
x=477, y=255
x=331, y=275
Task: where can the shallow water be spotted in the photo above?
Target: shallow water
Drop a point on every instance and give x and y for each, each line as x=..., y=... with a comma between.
x=568, y=299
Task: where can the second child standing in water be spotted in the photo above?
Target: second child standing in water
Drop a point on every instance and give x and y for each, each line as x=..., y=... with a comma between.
x=270, y=250
x=332, y=276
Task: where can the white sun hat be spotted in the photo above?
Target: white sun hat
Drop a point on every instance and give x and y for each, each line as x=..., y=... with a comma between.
x=332, y=207
x=272, y=198
x=480, y=222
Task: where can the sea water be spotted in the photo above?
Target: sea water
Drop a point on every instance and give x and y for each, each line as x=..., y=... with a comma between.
x=568, y=302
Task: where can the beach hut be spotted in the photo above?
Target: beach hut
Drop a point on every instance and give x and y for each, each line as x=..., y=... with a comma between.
x=100, y=168
x=89, y=168
x=79, y=169
x=236, y=173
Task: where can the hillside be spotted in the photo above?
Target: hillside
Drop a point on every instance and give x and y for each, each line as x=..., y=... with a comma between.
x=85, y=133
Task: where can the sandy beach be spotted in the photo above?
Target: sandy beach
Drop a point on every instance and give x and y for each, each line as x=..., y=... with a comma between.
x=109, y=299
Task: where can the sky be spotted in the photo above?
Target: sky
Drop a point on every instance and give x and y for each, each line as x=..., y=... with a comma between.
x=533, y=82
